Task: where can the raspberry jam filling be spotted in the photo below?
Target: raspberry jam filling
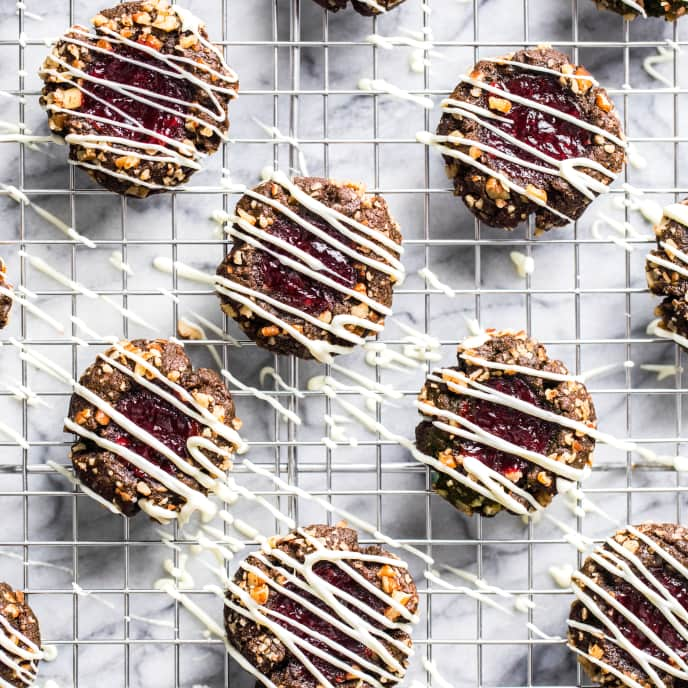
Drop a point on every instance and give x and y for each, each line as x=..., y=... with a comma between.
x=294, y=288
x=160, y=419
x=104, y=102
x=640, y=606
x=508, y=424
x=293, y=610
x=549, y=134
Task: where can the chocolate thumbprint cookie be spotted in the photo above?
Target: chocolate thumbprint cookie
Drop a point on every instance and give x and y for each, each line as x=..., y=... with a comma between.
x=527, y=134
x=312, y=266
x=5, y=296
x=314, y=609
x=140, y=98
x=666, y=269
x=153, y=433
x=21, y=639
x=506, y=428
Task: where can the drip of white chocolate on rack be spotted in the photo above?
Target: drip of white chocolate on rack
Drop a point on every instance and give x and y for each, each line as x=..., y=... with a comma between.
x=173, y=66
x=370, y=240
x=622, y=562
x=567, y=169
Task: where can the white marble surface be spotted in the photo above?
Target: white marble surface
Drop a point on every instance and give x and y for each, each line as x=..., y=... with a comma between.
x=42, y=518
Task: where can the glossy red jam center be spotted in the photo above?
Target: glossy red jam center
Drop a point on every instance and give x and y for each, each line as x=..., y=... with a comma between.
x=117, y=108
x=293, y=287
x=157, y=417
x=295, y=611
x=526, y=122
x=516, y=427
x=641, y=607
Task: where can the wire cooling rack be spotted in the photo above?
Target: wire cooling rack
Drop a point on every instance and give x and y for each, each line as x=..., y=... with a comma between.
x=586, y=300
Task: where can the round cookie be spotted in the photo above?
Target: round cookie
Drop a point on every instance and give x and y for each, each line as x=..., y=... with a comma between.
x=133, y=377
x=22, y=639
x=467, y=424
x=671, y=10
x=312, y=266
x=141, y=98
x=630, y=609
x=367, y=8
x=281, y=584
x=666, y=269
x=513, y=134
x=5, y=298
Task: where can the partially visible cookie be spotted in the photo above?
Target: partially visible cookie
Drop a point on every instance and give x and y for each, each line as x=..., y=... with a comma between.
x=671, y=10
x=314, y=262
x=290, y=584
x=367, y=8
x=22, y=637
x=515, y=135
x=628, y=622
x=141, y=98
x=666, y=268
x=5, y=300
x=461, y=449
x=113, y=477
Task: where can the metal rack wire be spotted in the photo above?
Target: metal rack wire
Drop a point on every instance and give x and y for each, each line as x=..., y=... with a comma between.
x=303, y=67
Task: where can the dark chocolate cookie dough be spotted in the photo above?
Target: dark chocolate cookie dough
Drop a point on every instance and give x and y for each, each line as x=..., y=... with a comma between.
x=5, y=300
x=443, y=392
x=148, y=140
x=262, y=269
x=368, y=9
x=671, y=10
x=269, y=587
x=491, y=172
x=667, y=271
x=113, y=477
x=18, y=616
x=623, y=585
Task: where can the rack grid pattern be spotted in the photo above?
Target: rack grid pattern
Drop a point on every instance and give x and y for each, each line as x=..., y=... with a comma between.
x=303, y=75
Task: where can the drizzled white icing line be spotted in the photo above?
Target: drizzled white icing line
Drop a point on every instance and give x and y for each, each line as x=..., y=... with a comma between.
x=429, y=139
x=12, y=653
x=655, y=329
x=64, y=472
x=321, y=349
x=278, y=136
x=33, y=309
x=528, y=102
x=539, y=68
x=678, y=212
x=432, y=280
x=663, y=370
x=20, y=197
x=492, y=395
x=286, y=413
x=269, y=371
x=59, y=277
x=636, y=6
x=116, y=259
x=385, y=87
x=665, y=53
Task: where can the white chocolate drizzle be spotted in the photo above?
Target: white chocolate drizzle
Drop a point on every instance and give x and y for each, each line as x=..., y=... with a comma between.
x=20, y=197
x=665, y=53
x=15, y=647
x=433, y=281
x=525, y=265
x=382, y=86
